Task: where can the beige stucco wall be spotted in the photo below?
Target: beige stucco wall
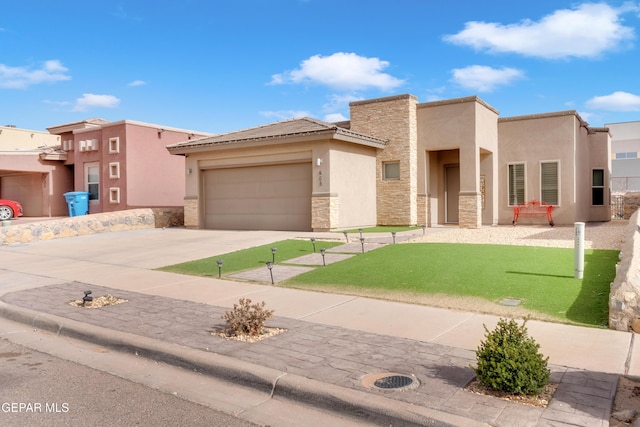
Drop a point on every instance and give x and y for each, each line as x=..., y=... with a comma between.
x=392, y=118
x=461, y=131
x=532, y=140
x=597, y=143
x=15, y=138
x=353, y=181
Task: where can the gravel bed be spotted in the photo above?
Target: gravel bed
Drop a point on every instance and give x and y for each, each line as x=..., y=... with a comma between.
x=599, y=235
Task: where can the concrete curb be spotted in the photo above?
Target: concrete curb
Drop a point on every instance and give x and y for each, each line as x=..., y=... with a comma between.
x=352, y=403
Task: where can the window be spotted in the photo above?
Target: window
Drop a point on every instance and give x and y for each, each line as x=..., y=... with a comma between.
x=114, y=170
x=597, y=187
x=92, y=180
x=630, y=155
x=114, y=195
x=549, y=183
x=114, y=145
x=516, y=184
x=391, y=170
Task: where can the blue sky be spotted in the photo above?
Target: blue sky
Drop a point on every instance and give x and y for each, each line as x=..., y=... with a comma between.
x=218, y=66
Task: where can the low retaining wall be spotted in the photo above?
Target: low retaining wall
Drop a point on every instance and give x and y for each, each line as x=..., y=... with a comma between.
x=133, y=219
x=624, y=298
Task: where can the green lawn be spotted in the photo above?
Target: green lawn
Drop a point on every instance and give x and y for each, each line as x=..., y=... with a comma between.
x=249, y=258
x=542, y=278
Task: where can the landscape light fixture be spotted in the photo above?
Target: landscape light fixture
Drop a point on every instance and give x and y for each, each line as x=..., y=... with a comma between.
x=313, y=242
x=346, y=235
x=362, y=243
x=273, y=254
x=322, y=251
x=393, y=234
x=360, y=230
x=424, y=228
x=87, y=297
x=219, y=262
x=270, y=267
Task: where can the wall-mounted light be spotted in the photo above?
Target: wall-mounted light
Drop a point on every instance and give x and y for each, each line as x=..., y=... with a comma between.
x=318, y=161
x=189, y=171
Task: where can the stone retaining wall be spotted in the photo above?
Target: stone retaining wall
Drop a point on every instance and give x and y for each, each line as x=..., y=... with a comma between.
x=624, y=299
x=631, y=203
x=95, y=223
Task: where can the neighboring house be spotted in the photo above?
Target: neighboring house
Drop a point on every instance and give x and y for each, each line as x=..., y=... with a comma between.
x=398, y=162
x=123, y=164
x=625, y=155
x=30, y=171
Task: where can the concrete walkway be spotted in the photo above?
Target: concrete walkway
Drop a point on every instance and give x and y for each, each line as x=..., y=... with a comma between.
x=332, y=343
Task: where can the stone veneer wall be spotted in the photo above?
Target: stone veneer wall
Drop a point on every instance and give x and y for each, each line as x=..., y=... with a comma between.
x=392, y=118
x=631, y=203
x=191, y=212
x=325, y=211
x=624, y=298
x=470, y=209
x=133, y=219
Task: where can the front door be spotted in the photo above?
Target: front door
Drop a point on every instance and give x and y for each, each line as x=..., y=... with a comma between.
x=451, y=193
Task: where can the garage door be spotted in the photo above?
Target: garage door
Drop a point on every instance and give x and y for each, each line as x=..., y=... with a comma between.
x=274, y=197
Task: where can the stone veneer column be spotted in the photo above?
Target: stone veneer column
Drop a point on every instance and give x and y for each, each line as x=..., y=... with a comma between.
x=191, y=212
x=470, y=209
x=325, y=210
x=392, y=118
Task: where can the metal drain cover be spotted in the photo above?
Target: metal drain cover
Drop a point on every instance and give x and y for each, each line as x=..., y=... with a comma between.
x=390, y=381
x=393, y=381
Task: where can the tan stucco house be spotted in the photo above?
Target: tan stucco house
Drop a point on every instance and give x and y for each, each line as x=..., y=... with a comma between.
x=398, y=162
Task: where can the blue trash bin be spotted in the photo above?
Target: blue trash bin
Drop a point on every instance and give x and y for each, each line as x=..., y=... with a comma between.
x=78, y=202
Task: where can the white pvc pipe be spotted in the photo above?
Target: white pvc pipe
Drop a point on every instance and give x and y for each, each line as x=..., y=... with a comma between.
x=578, y=271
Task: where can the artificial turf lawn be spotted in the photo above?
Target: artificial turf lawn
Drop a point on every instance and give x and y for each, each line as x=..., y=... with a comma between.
x=543, y=278
x=249, y=258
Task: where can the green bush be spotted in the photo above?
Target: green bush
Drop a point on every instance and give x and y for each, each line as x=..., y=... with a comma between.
x=509, y=360
x=246, y=319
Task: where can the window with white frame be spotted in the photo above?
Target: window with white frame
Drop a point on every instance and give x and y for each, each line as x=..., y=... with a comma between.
x=391, y=170
x=114, y=195
x=92, y=180
x=114, y=170
x=550, y=182
x=517, y=175
x=114, y=145
x=597, y=187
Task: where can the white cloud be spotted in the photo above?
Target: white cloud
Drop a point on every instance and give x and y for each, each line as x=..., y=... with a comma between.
x=22, y=77
x=90, y=100
x=285, y=114
x=344, y=71
x=483, y=78
x=334, y=117
x=617, y=101
x=339, y=102
x=585, y=31
x=137, y=83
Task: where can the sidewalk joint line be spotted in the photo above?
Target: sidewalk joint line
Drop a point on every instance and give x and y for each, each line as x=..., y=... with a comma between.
x=328, y=308
x=627, y=363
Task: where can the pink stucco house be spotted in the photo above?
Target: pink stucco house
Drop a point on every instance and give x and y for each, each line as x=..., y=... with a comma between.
x=123, y=164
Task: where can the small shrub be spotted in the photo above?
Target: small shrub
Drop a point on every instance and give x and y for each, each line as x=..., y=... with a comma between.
x=246, y=319
x=509, y=360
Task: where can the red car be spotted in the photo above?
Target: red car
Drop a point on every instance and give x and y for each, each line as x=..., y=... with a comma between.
x=9, y=209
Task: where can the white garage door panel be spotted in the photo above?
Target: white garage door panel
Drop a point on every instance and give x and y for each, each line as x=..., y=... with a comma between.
x=276, y=197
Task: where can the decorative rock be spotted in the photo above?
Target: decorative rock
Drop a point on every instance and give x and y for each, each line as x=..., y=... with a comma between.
x=626, y=416
x=635, y=325
x=89, y=224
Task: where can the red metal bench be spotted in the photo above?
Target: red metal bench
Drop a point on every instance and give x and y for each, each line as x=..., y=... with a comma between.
x=532, y=209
